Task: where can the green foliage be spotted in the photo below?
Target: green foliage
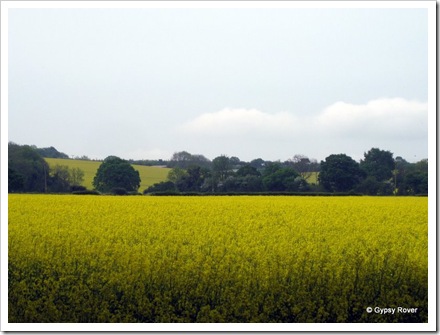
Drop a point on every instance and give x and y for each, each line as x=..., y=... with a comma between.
x=193, y=179
x=89, y=168
x=76, y=176
x=340, y=173
x=176, y=174
x=411, y=179
x=115, y=173
x=248, y=170
x=369, y=186
x=29, y=171
x=163, y=186
x=416, y=182
x=184, y=160
x=221, y=168
x=378, y=164
x=244, y=184
x=278, y=178
x=149, y=174
x=15, y=181
x=377, y=174
x=86, y=192
x=258, y=163
x=59, y=179
x=119, y=191
x=306, y=167
x=51, y=152
x=76, y=188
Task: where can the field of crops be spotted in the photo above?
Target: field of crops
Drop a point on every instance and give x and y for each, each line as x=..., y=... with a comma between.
x=217, y=259
x=149, y=174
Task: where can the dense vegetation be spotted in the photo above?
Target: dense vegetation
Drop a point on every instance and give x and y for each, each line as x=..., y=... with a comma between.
x=116, y=175
x=216, y=259
x=378, y=173
x=29, y=172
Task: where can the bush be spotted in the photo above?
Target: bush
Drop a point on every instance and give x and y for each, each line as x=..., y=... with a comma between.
x=76, y=188
x=119, y=191
x=301, y=194
x=163, y=186
x=86, y=192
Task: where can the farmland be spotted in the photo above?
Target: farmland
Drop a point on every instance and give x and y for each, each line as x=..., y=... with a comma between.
x=149, y=174
x=216, y=259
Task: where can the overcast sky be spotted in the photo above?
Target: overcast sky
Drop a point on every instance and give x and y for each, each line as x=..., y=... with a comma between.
x=250, y=83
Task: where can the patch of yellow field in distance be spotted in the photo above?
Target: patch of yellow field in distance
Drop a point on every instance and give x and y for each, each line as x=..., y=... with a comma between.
x=149, y=174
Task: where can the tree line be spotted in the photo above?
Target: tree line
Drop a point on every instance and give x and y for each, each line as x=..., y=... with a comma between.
x=378, y=173
x=28, y=171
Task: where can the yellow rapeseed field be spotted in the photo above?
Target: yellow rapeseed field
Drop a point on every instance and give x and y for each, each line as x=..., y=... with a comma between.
x=149, y=174
x=216, y=259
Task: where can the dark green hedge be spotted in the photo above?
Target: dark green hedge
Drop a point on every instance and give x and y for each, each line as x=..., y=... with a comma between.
x=172, y=193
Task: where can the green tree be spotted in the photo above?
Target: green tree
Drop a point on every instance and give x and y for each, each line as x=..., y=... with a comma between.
x=176, y=174
x=251, y=183
x=116, y=173
x=62, y=178
x=279, y=178
x=422, y=165
x=59, y=179
x=371, y=186
x=193, y=179
x=76, y=177
x=340, y=173
x=416, y=182
x=414, y=178
x=378, y=164
x=258, y=163
x=305, y=166
x=15, y=181
x=410, y=178
x=248, y=183
x=181, y=159
x=184, y=160
x=221, y=168
x=27, y=165
x=248, y=170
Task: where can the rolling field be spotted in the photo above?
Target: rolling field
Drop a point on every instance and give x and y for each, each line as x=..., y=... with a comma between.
x=149, y=174
x=216, y=259
x=313, y=178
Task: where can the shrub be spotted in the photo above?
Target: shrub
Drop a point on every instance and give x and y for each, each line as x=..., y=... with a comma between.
x=164, y=186
x=86, y=192
x=119, y=191
x=76, y=188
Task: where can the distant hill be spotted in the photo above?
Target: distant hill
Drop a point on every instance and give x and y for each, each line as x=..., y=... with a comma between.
x=51, y=152
x=149, y=174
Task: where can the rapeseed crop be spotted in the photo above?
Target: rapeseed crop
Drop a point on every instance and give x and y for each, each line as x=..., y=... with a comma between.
x=216, y=259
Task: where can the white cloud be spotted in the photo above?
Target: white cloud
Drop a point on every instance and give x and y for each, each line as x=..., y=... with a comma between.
x=396, y=124
x=382, y=118
x=239, y=121
x=395, y=118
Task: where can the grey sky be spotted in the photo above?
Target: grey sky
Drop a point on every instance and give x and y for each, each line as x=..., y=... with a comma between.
x=269, y=83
